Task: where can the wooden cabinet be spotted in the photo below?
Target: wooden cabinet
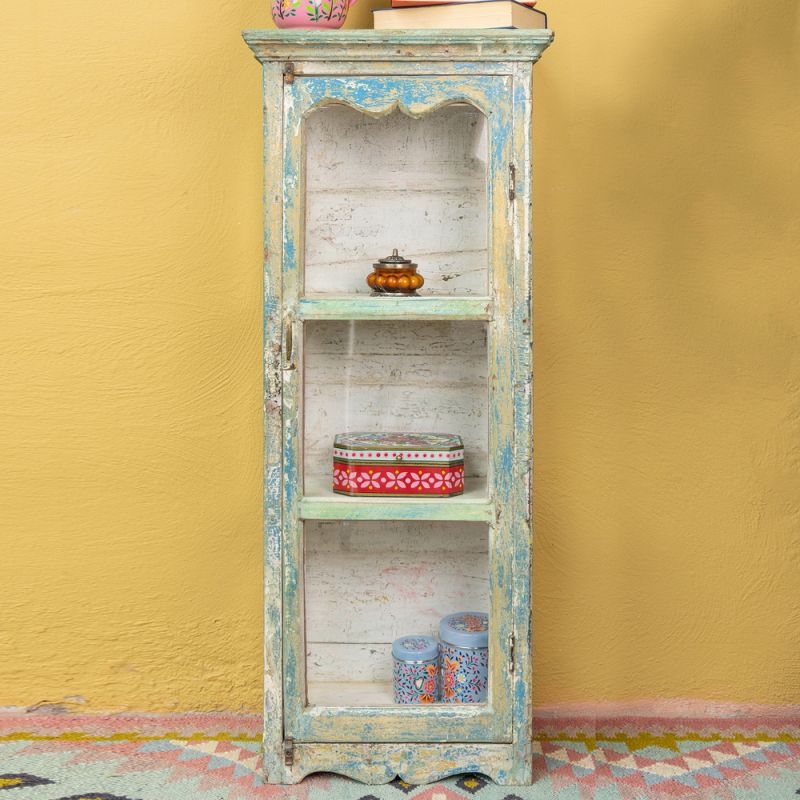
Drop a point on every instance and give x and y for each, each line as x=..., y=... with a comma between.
x=420, y=141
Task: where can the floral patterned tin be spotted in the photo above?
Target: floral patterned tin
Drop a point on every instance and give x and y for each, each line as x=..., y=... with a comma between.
x=416, y=669
x=390, y=464
x=464, y=657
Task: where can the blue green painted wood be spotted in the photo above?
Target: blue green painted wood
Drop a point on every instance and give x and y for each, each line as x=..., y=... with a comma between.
x=410, y=308
x=452, y=509
x=378, y=72
x=465, y=50
x=273, y=437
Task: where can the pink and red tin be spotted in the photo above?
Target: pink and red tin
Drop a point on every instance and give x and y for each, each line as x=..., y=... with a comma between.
x=391, y=464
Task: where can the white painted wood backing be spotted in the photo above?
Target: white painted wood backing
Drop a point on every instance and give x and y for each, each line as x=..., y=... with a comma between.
x=373, y=376
x=456, y=339
x=350, y=693
x=368, y=583
x=418, y=185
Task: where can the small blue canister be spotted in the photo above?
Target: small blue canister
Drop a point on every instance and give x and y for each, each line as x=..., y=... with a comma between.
x=464, y=654
x=416, y=669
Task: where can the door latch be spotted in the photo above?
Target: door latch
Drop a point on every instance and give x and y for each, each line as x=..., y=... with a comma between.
x=288, y=345
x=288, y=751
x=288, y=72
x=511, y=654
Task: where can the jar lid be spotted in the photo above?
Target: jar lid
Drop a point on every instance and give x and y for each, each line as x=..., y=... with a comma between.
x=415, y=648
x=465, y=629
x=394, y=261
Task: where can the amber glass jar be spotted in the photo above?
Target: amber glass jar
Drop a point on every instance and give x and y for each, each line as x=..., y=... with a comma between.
x=394, y=275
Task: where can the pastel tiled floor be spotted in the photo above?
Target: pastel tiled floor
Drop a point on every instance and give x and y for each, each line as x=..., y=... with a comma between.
x=217, y=756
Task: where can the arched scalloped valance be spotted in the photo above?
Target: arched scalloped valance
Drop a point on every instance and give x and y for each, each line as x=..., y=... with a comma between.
x=415, y=111
x=377, y=97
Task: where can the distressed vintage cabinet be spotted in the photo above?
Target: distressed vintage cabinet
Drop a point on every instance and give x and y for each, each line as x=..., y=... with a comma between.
x=373, y=140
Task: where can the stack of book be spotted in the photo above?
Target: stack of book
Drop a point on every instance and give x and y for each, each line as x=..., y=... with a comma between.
x=418, y=14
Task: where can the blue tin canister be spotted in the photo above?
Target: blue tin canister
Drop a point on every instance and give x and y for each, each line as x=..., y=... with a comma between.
x=416, y=669
x=464, y=657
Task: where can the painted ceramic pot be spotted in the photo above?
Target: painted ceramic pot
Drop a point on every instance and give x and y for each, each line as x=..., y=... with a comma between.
x=416, y=669
x=310, y=13
x=464, y=657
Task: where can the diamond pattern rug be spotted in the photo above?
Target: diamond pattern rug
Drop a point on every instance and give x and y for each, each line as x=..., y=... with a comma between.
x=217, y=757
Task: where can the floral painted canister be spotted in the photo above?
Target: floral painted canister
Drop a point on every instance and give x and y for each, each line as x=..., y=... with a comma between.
x=416, y=669
x=391, y=464
x=464, y=657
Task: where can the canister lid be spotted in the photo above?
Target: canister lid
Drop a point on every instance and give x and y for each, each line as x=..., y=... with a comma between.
x=465, y=629
x=415, y=648
x=375, y=440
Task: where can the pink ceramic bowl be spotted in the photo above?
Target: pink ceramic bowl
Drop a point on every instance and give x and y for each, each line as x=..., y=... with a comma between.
x=310, y=13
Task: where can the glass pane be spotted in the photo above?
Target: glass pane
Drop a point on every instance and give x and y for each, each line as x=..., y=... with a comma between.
x=394, y=376
x=369, y=583
x=375, y=184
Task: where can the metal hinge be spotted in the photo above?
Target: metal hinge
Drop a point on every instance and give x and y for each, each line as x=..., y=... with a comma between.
x=288, y=751
x=512, y=181
x=511, y=653
x=288, y=72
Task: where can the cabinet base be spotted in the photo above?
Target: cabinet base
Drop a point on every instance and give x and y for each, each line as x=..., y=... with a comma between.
x=413, y=763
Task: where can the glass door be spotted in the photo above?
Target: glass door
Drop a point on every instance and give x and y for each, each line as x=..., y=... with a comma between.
x=420, y=165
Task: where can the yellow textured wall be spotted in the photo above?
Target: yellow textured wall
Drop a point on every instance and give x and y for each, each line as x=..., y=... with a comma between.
x=667, y=356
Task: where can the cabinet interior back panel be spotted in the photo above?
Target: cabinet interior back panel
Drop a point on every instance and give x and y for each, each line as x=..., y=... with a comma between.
x=368, y=583
x=412, y=377
x=375, y=184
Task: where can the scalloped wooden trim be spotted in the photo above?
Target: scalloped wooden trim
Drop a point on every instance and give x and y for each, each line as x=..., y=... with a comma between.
x=377, y=110
x=413, y=763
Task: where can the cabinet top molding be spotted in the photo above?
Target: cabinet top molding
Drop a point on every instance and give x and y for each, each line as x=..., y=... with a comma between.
x=491, y=44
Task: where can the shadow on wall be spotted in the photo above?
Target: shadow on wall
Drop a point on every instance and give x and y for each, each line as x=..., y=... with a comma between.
x=666, y=364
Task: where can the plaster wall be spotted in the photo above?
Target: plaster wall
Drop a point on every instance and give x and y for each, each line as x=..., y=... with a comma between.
x=667, y=393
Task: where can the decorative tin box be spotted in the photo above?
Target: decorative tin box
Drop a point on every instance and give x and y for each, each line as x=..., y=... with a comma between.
x=464, y=653
x=390, y=464
x=416, y=669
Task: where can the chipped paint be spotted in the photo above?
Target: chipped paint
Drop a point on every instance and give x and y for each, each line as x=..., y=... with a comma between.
x=460, y=50
x=408, y=308
x=378, y=73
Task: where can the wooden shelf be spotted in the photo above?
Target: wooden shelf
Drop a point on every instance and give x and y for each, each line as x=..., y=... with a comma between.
x=336, y=694
x=367, y=306
x=377, y=694
x=321, y=502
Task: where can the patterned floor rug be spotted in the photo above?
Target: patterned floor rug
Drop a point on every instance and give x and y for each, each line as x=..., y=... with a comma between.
x=216, y=757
